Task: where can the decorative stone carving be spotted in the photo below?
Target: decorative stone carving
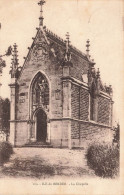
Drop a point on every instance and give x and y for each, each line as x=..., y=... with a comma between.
x=40, y=49
x=95, y=83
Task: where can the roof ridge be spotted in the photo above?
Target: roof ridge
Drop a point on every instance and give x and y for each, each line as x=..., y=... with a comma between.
x=55, y=35
x=63, y=41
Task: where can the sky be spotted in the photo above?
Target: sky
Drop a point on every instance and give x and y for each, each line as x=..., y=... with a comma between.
x=97, y=20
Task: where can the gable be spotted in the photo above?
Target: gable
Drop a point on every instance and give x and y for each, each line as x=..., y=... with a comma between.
x=48, y=48
x=45, y=53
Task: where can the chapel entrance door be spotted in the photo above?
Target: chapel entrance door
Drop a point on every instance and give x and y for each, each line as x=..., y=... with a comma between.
x=41, y=126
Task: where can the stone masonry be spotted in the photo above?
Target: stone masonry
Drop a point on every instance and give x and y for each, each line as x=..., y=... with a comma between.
x=57, y=95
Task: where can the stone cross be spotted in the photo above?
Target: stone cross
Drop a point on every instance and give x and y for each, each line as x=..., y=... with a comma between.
x=41, y=12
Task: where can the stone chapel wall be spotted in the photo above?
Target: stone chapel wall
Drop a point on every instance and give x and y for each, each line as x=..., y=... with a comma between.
x=89, y=133
x=80, y=67
x=80, y=103
x=84, y=104
x=104, y=110
x=75, y=104
x=83, y=130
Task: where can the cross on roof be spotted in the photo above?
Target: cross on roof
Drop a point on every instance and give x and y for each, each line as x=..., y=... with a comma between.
x=41, y=3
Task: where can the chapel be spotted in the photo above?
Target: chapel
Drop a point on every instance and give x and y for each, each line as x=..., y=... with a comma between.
x=57, y=96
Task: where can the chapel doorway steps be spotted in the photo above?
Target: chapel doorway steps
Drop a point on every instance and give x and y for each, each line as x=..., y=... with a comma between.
x=38, y=144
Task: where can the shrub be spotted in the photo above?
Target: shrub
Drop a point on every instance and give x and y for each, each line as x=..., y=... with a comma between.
x=6, y=150
x=104, y=160
x=5, y=114
x=117, y=135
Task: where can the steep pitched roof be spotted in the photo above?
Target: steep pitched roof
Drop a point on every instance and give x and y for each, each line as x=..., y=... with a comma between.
x=52, y=39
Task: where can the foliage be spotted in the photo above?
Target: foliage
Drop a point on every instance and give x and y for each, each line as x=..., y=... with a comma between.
x=117, y=135
x=29, y=167
x=5, y=114
x=104, y=160
x=2, y=64
x=6, y=150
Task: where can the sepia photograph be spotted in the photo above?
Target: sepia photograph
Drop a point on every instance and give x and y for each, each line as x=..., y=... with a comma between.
x=61, y=97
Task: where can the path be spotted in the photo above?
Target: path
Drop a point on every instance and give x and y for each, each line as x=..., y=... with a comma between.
x=47, y=163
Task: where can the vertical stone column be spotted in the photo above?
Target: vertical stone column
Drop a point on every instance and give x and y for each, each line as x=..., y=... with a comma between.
x=95, y=108
x=66, y=99
x=13, y=86
x=48, y=132
x=29, y=130
x=12, y=111
x=67, y=91
x=67, y=107
x=33, y=132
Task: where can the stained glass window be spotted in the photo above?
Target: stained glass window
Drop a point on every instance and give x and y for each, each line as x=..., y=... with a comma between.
x=40, y=91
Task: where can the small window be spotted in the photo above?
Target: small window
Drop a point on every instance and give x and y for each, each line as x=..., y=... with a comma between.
x=22, y=94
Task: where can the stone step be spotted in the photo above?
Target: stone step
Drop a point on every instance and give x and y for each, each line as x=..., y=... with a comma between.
x=38, y=145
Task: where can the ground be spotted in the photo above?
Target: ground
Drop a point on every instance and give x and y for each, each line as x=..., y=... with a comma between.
x=47, y=163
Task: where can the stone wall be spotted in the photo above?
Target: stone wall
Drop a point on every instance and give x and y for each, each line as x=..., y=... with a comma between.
x=79, y=106
x=59, y=133
x=75, y=129
x=21, y=135
x=84, y=104
x=80, y=66
x=69, y=99
x=89, y=133
x=46, y=64
x=104, y=112
x=75, y=101
x=84, y=131
x=80, y=103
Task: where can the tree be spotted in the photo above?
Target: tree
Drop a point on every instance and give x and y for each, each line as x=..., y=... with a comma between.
x=5, y=114
x=117, y=135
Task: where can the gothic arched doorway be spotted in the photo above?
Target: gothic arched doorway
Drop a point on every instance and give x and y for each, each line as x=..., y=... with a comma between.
x=39, y=107
x=41, y=126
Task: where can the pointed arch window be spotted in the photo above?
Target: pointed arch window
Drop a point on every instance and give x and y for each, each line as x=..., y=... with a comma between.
x=40, y=91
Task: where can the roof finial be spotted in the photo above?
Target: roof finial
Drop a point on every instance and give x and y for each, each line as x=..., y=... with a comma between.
x=87, y=46
x=67, y=41
x=41, y=12
x=98, y=73
x=67, y=52
x=14, y=63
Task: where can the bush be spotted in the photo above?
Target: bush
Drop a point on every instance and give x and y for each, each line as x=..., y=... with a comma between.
x=6, y=150
x=5, y=114
x=104, y=160
x=117, y=135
